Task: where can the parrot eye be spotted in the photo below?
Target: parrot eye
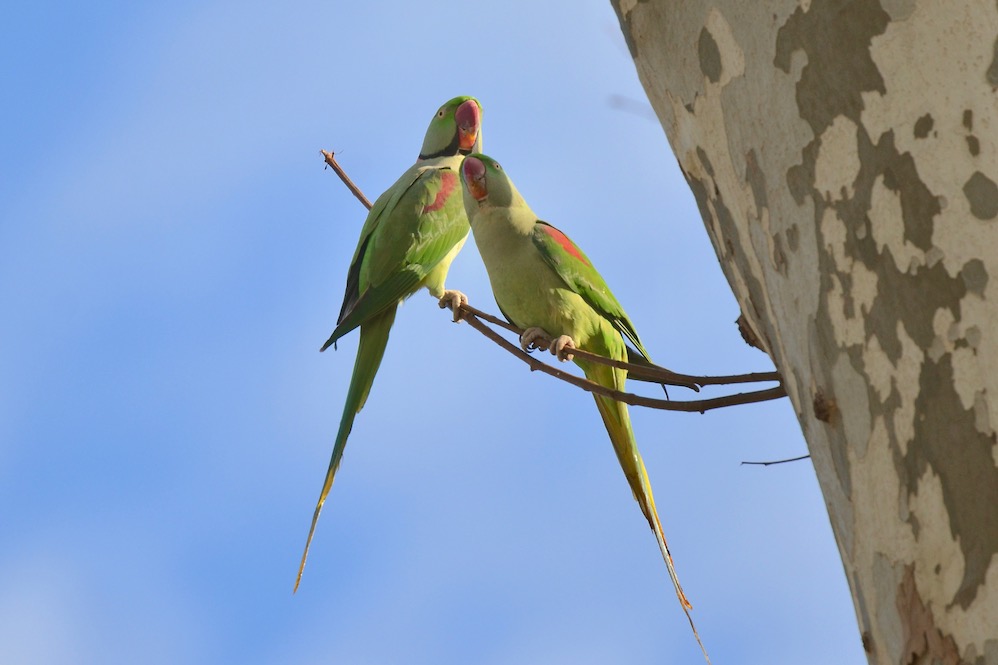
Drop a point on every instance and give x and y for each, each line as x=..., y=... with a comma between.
x=498, y=167
x=440, y=113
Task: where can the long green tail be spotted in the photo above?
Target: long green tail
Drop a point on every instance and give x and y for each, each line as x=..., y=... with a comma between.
x=618, y=425
x=370, y=351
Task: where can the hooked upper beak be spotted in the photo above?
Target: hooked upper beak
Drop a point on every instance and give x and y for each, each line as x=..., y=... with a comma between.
x=474, y=176
x=469, y=122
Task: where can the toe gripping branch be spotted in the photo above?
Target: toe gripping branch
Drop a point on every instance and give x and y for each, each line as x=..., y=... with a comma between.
x=645, y=372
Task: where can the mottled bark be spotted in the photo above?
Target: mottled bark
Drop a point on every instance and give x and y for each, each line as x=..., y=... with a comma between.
x=844, y=156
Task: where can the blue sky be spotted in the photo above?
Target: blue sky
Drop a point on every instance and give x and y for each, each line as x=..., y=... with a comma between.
x=172, y=254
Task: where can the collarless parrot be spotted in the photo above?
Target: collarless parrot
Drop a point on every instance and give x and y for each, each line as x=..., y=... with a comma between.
x=546, y=285
x=411, y=235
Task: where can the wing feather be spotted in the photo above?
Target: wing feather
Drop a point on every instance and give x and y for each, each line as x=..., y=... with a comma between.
x=410, y=229
x=578, y=273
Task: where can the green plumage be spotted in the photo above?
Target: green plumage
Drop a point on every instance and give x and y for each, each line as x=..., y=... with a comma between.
x=402, y=243
x=541, y=279
x=412, y=233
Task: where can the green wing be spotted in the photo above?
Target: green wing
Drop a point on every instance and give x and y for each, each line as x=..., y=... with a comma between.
x=575, y=268
x=410, y=228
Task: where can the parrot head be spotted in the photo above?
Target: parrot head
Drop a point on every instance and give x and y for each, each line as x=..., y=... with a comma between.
x=456, y=128
x=473, y=177
x=486, y=183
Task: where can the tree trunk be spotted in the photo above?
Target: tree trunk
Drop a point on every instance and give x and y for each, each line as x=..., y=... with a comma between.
x=844, y=156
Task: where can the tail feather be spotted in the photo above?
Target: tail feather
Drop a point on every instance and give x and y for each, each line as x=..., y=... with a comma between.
x=370, y=351
x=618, y=426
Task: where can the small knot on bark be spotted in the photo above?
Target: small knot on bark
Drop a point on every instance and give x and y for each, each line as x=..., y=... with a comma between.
x=748, y=334
x=825, y=408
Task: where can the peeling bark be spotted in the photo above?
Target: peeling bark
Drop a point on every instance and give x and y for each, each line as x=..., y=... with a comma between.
x=844, y=158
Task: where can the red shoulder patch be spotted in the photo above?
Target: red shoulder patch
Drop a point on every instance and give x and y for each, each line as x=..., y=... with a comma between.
x=565, y=243
x=448, y=182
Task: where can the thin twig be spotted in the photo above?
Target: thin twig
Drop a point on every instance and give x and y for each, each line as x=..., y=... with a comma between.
x=331, y=160
x=779, y=461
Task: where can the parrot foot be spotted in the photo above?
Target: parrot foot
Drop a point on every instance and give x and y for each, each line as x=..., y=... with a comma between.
x=453, y=300
x=534, y=338
x=561, y=348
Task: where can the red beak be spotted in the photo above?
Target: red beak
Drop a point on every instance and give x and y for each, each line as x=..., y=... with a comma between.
x=469, y=118
x=474, y=176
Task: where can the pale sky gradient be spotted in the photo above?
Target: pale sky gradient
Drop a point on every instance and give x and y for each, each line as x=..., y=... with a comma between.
x=172, y=255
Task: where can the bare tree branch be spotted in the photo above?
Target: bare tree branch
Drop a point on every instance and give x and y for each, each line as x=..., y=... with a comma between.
x=779, y=461
x=331, y=160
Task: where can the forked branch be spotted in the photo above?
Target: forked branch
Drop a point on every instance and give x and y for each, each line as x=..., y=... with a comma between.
x=627, y=398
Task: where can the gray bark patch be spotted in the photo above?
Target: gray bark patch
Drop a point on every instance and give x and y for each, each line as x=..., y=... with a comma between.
x=992, y=74
x=982, y=193
x=757, y=181
x=947, y=441
x=911, y=297
x=756, y=292
x=779, y=256
x=974, y=276
x=793, y=237
x=800, y=179
x=710, y=56
x=835, y=35
x=918, y=205
x=705, y=162
x=973, y=146
x=625, y=28
x=923, y=126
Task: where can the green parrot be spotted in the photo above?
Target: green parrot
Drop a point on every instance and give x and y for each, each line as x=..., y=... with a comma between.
x=544, y=284
x=411, y=235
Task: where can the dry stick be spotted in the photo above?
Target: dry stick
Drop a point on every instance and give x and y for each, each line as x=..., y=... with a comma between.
x=328, y=156
x=658, y=374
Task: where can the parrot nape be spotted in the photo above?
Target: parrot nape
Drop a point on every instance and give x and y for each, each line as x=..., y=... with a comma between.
x=411, y=235
x=544, y=284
